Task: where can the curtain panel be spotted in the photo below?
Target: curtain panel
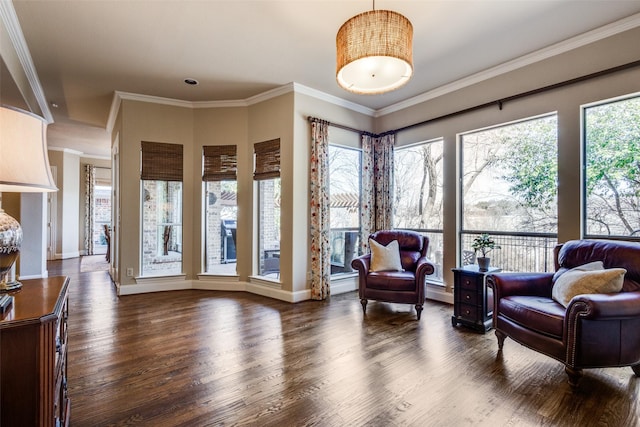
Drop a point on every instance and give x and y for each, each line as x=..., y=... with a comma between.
x=383, y=173
x=367, y=193
x=319, y=209
x=90, y=184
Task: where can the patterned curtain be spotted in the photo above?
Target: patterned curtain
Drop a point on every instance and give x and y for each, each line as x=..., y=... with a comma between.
x=384, y=181
x=90, y=182
x=320, y=225
x=367, y=193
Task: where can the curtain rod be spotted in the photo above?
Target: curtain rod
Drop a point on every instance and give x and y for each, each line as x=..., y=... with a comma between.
x=335, y=125
x=502, y=101
x=499, y=102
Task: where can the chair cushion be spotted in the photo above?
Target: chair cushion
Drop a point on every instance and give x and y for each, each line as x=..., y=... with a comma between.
x=385, y=258
x=540, y=314
x=589, y=278
x=392, y=281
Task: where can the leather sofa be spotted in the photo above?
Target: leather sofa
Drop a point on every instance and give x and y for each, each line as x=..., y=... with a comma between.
x=408, y=286
x=594, y=330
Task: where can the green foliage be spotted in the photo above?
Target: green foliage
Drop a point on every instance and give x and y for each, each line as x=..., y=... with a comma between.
x=484, y=244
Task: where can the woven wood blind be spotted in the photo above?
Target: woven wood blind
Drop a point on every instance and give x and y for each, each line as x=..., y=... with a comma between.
x=161, y=161
x=220, y=162
x=267, y=159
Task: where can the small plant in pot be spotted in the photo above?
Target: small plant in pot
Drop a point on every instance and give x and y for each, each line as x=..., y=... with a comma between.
x=484, y=244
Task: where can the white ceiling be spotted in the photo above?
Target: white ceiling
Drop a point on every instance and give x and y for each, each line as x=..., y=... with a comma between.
x=84, y=50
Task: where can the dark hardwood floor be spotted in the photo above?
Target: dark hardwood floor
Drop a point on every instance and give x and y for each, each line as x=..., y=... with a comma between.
x=201, y=358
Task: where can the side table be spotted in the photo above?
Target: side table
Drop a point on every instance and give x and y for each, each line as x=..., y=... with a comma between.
x=472, y=301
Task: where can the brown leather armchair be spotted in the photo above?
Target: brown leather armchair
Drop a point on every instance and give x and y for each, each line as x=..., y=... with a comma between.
x=594, y=330
x=408, y=286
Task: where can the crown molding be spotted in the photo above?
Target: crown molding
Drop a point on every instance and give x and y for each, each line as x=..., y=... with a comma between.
x=592, y=36
x=67, y=150
x=19, y=44
x=305, y=90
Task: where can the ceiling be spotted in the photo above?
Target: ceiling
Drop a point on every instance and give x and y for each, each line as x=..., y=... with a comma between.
x=85, y=50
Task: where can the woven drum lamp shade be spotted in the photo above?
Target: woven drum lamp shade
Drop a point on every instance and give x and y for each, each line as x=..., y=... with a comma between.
x=374, y=52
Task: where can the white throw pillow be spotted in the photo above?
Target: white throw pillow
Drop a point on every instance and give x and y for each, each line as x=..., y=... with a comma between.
x=385, y=258
x=589, y=278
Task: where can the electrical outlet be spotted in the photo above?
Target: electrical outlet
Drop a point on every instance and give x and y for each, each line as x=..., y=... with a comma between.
x=129, y=272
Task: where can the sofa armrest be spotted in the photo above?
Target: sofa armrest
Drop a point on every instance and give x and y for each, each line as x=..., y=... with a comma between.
x=423, y=267
x=362, y=264
x=622, y=305
x=532, y=284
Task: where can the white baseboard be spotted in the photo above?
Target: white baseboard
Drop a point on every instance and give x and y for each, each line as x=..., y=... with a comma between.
x=67, y=255
x=438, y=293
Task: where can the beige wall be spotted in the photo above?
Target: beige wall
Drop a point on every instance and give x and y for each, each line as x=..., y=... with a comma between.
x=268, y=120
x=143, y=121
x=285, y=117
x=615, y=51
x=225, y=126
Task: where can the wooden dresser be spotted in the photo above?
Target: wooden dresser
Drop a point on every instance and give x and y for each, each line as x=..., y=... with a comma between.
x=33, y=355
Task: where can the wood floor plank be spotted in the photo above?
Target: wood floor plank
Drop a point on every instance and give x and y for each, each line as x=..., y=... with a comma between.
x=202, y=358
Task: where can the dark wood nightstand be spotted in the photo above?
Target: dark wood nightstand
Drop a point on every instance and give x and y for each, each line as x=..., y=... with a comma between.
x=472, y=301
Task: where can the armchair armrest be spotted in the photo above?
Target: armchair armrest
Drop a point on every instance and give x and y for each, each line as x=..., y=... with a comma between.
x=362, y=264
x=423, y=267
x=604, y=306
x=533, y=284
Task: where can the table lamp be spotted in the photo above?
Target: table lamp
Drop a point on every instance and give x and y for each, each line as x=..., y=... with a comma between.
x=24, y=168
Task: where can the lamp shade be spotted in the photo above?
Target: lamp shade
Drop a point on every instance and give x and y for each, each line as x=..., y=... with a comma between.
x=24, y=167
x=374, y=52
x=24, y=161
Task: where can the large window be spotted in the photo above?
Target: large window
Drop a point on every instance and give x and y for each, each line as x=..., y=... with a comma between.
x=269, y=227
x=267, y=175
x=509, y=190
x=612, y=168
x=161, y=193
x=417, y=203
x=344, y=190
x=162, y=227
x=219, y=169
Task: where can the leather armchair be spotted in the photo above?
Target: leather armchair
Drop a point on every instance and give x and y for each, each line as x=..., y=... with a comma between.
x=594, y=330
x=406, y=287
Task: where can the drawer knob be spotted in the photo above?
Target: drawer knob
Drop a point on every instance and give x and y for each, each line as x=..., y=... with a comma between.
x=467, y=312
x=468, y=296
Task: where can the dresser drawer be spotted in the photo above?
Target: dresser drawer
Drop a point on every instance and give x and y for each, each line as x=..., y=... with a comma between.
x=468, y=312
x=468, y=296
x=468, y=281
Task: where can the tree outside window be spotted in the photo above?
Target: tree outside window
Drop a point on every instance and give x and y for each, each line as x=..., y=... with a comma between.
x=417, y=195
x=612, y=168
x=509, y=188
x=344, y=205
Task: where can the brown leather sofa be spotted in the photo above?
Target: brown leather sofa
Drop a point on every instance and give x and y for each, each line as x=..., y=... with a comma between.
x=594, y=330
x=408, y=286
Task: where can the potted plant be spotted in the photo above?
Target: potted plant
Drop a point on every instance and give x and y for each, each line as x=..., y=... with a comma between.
x=484, y=244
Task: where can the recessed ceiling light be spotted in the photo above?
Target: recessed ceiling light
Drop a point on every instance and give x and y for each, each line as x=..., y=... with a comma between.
x=191, y=82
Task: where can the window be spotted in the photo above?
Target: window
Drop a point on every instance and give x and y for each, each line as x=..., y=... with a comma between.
x=344, y=205
x=612, y=168
x=267, y=175
x=220, y=208
x=509, y=190
x=161, y=208
x=417, y=193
